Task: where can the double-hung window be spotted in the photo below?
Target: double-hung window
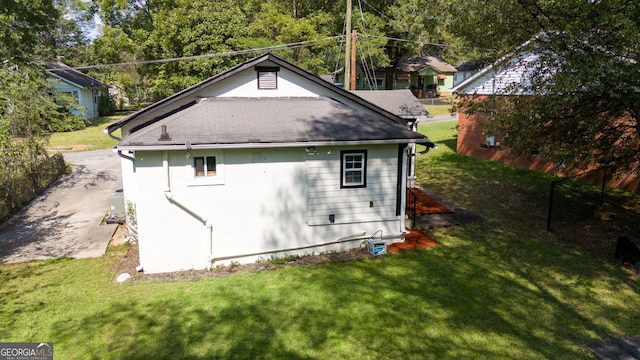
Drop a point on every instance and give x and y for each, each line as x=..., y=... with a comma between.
x=354, y=169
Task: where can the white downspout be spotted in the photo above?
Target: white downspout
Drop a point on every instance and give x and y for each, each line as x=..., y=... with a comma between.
x=403, y=190
x=172, y=199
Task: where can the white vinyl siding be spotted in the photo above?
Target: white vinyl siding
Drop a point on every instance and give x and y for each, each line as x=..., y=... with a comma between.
x=326, y=196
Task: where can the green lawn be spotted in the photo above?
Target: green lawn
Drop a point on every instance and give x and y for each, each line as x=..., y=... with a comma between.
x=90, y=138
x=435, y=110
x=502, y=289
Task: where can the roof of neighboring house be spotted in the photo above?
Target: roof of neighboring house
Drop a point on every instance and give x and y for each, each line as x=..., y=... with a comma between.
x=417, y=63
x=469, y=65
x=73, y=76
x=233, y=121
x=328, y=78
x=164, y=106
x=400, y=102
x=503, y=77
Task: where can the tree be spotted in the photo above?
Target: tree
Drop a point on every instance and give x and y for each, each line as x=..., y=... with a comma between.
x=583, y=104
x=22, y=22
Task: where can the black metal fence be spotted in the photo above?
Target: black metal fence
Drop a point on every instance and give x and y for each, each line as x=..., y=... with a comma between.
x=573, y=201
x=410, y=209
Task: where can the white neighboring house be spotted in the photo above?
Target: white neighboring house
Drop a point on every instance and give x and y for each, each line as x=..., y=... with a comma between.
x=85, y=88
x=262, y=160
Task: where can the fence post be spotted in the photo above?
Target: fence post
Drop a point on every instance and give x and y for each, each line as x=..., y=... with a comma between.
x=604, y=180
x=553, y=184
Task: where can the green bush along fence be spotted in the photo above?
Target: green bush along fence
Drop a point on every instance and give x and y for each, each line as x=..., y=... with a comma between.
x=20, y=184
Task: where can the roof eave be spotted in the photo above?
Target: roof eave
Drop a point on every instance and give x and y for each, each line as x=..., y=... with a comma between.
x=424, y=140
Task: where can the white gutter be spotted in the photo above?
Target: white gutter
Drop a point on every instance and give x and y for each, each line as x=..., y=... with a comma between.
x=172, y=199
x=106, y=131
x=270, y=145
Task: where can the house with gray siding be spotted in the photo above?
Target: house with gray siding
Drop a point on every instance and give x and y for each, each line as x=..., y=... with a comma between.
x=262, y=160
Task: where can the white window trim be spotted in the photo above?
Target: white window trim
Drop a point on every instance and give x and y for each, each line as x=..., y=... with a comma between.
x=194, y=180
x=343, y=169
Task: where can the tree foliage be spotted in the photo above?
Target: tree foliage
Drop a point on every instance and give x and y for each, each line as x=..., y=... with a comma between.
x=582, y=106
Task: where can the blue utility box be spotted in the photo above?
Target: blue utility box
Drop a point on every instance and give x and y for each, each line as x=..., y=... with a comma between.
x=376, y=247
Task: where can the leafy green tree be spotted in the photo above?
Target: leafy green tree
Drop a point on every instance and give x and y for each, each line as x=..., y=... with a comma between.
x=191, y=29
x=582, y=103
x=22, y=22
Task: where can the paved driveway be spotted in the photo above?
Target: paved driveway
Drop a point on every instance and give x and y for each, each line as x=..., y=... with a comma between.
x=65, y=219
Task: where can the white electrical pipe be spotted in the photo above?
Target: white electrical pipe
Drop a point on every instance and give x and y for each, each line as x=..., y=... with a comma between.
x=172, y=199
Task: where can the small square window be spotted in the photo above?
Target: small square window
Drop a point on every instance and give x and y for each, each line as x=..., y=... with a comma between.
x=204, y=166
x=354, y=165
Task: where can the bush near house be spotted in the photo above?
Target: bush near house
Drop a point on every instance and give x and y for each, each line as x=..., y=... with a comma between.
x=106, y=106
x=22, y=181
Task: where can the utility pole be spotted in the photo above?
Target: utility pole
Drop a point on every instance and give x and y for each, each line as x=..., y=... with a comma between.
x=347, y=61
x=354, y=72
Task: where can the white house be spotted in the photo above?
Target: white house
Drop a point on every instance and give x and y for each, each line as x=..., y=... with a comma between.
x=83, y=87
x=262, y=160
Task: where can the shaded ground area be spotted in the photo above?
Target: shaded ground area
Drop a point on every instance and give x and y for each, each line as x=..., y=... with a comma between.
x=65, y=220
x=426, y=204
x=617, y=349
x=414, y=239
x=437, y=212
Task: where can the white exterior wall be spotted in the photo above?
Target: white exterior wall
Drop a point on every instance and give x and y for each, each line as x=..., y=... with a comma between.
x=261, y=206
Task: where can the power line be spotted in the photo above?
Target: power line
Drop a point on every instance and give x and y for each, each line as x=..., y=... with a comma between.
x=429, y=43
x=295, y=45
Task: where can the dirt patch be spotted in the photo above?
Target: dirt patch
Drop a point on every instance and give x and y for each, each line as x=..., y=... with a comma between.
x=131, y=261
x=118, y=236
x=413, y=240
x=68, y=148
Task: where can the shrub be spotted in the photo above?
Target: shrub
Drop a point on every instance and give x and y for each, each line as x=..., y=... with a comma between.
x=20, y=182
x=106, y=105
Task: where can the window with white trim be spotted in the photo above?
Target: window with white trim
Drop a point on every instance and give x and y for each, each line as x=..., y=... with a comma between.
x=354, y=169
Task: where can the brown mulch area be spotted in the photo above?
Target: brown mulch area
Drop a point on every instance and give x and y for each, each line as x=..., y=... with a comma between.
x=426, y=205
x=414, y=239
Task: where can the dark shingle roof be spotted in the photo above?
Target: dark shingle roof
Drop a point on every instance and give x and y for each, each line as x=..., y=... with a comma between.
x=417, y=63
x=160, y=107
x=74, y=76
x=399, y=102
x=224, y=121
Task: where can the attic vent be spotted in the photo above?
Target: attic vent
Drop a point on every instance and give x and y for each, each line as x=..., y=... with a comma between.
x=267, y=77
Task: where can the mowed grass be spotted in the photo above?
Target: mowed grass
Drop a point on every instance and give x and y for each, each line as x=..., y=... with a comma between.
x=501, y=289
x=435, y=110
x=90, y=138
